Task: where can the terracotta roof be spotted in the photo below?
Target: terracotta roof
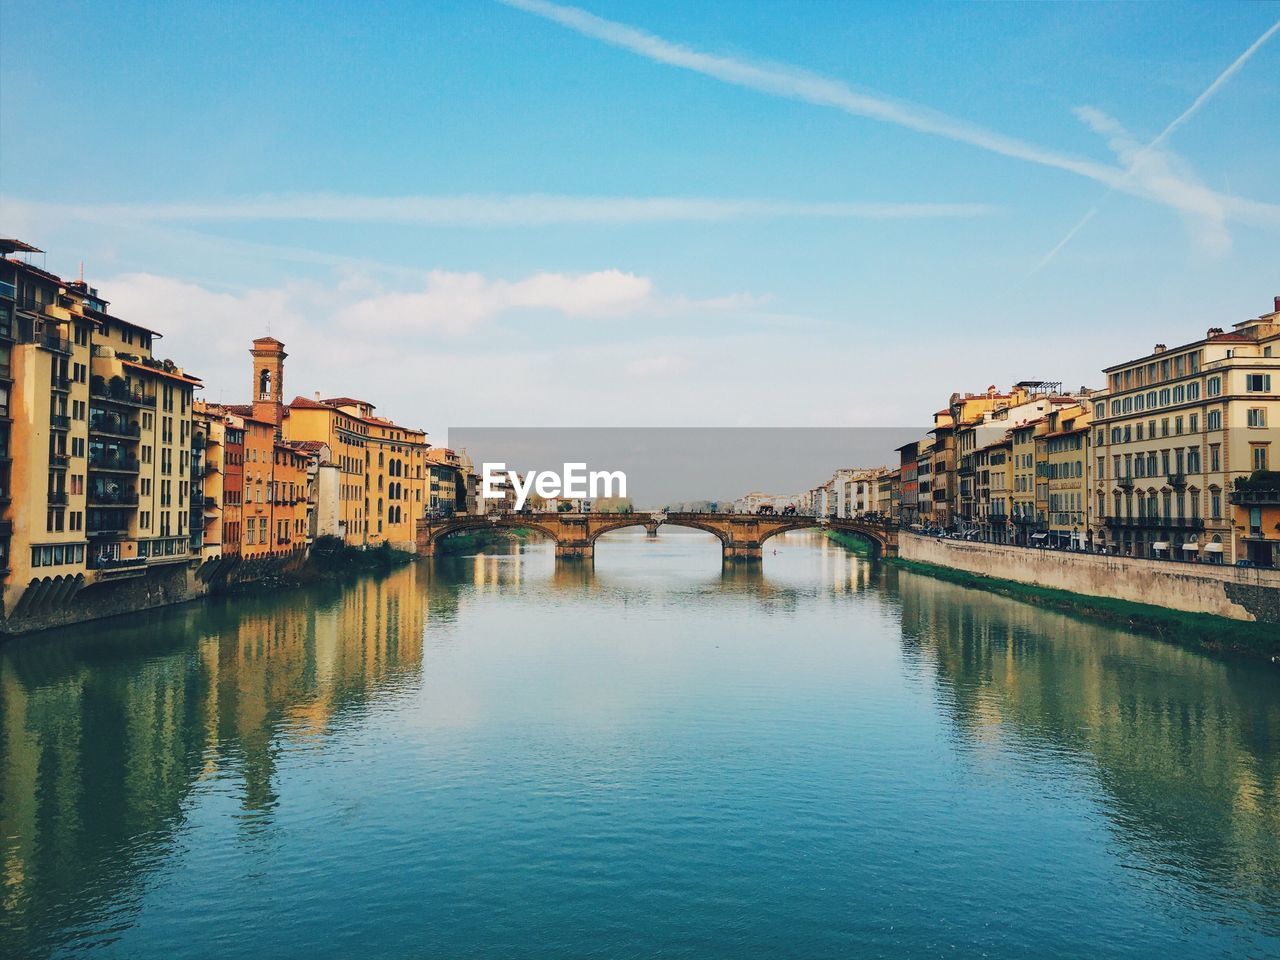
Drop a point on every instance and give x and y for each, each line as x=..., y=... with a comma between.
x=269, y=340
x=171, y=374
x=348, y=401
x=239, y=409
x=302, y=403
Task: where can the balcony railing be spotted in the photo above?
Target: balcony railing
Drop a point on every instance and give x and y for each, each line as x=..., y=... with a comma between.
x=1155, y=523
x=59, y=461
x=57, y=498
x=115, y=427
x=1177, y=480
x=135, y=398
x=51, y=341
x=119, y=464
x=105, y=498
x=116, y=563
x=61, y=384
x=59, y=422
x=1256, y=498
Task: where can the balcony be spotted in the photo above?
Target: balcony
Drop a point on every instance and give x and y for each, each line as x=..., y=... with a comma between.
x=118, y=564
x=108, y=498
x=54, y=342
x=1155, y=523
x=57, y=498
x=1256, y=498
x=59, y=461
x=113, y=464
x=7, y=289
x=1177, y=480
x=59, y=422
x=115, y=392
x=197, y=441
x=115, y=427
x=61, y=384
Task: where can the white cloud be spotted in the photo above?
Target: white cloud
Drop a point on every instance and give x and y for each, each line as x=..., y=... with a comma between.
x=796, y=84
x=355, y=336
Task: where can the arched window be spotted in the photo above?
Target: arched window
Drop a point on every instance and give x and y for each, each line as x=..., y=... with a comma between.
x=264, y=384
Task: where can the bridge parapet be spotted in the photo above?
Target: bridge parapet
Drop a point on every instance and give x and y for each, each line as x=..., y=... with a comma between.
x=742, y=536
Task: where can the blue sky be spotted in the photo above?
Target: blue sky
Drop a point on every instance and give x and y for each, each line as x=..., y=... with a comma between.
x=653, y=214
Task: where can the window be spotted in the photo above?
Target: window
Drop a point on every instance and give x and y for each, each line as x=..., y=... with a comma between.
x=1260, y=456
x=1258, y=383
x=1214, y=386
x=1257, y=417
x=1213, y=420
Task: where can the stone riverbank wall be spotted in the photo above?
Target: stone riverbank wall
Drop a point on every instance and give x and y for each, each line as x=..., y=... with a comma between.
x=1239, y=593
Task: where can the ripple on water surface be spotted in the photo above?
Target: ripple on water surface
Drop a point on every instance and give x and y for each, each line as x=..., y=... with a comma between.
x=495, y=756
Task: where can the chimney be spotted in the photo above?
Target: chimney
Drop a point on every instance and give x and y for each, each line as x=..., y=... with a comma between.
x=317, y=396
x=1213, y=332
x=1160, y=348
x=1277, y=304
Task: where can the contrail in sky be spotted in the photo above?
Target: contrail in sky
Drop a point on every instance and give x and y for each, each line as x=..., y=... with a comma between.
x=1182, y=118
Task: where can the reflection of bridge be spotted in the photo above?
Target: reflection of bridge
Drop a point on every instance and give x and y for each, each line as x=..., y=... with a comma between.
x=575, y=534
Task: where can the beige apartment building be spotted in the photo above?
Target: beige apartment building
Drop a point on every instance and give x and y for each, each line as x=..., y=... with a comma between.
x=1065, y=470
x=1174, y=431
x=99, y=432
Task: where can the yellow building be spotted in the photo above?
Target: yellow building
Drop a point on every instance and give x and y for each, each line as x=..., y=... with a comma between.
x=1066, y=450
x=447, y=476
x=99, y=432
x=1026, y=512
x=382, y=466
x=1173, y=433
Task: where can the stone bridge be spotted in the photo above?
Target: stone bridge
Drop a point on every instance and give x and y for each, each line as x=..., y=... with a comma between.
x=741, y=536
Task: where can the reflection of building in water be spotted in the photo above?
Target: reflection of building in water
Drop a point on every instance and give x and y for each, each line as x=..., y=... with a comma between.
x=1185, y=745
x=98, y=754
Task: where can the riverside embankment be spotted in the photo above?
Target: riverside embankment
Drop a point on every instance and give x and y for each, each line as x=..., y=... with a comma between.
x=1226, y=608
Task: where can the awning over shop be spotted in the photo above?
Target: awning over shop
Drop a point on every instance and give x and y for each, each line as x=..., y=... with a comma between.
x=1039, y=536
x=1162, y=545
x=1191, y=546
x=1213, y=548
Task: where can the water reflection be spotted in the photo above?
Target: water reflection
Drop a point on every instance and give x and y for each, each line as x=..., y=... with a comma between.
x=1186, y=748
x=108, y=733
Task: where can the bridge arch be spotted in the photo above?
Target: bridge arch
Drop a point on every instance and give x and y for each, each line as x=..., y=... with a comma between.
x=432, y=535
x=872, y=534
x=645, y=520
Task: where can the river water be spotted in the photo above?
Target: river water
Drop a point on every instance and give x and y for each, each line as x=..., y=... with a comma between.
x=487, y=756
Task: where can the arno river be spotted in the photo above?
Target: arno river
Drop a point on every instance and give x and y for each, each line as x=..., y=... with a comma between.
x=487, y=756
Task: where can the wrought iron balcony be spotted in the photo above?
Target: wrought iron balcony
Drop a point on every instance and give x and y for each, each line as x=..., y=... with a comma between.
x=99, y=390
x=106, y=498
x=59, y=421
x=113, y=464
x=115, y=427
x=1256, y=498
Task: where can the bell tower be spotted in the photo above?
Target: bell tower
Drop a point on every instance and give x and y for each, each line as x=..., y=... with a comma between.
x=268, y=380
